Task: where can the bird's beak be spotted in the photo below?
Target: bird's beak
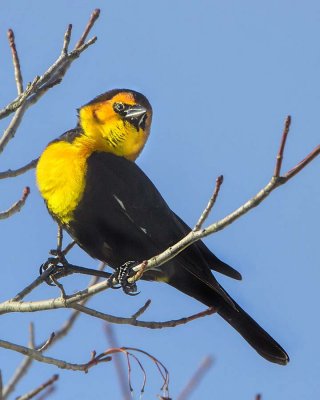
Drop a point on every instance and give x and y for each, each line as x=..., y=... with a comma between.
x=135, y=111
x=136, y=115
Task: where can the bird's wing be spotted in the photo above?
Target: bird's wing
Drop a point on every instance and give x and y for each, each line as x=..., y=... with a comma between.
x=213, y=261
x=132, y=218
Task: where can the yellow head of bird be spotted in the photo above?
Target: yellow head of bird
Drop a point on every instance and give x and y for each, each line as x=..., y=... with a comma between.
x=118, y=121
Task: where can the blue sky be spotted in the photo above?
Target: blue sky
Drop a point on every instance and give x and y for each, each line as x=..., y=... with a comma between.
x=221, y=76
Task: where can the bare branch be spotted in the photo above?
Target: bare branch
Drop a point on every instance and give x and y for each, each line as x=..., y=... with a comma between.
x=75, y=314
x=16, y=103
x=40, y=85
x=38, y=356
x=16, y=207
x=17, y=376
x=54, y=337
x=13, y=126
x=196, y=378
x=28, y=289
x=66, y=40
x=94, y=16
x=36, y=391
x=22, y=369
x=142, y=324
x=16, y=172
x=210, y=204
x=16, y=62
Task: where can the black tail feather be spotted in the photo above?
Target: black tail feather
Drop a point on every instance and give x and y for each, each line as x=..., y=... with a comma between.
x=257, y=337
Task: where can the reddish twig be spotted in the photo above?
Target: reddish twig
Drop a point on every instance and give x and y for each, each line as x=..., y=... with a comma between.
x=277, y=169
x=303, y=163
x=196, y=378
x=210, y=204
x=16, y=62
x=94, y=16
x=128, y=353
x=16, y=207
x=118, y=362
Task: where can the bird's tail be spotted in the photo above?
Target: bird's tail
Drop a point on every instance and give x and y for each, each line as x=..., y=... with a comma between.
x=231, y=312
x=256, y=336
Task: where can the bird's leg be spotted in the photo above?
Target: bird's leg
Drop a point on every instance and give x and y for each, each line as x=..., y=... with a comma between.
x=121, y=276
x=63, y=268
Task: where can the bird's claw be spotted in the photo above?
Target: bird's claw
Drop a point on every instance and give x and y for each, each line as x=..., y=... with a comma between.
x=121, y=276
x=58, y=263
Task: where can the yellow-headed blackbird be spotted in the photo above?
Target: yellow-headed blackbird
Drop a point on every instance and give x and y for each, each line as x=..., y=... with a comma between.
x=94, y=189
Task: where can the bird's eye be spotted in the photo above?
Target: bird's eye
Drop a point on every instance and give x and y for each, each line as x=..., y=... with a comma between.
x=119, y=107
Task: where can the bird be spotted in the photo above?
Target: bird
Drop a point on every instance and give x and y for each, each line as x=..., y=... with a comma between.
x=96, y=192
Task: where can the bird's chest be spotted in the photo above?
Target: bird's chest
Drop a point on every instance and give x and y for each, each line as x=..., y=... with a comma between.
x=61, y=175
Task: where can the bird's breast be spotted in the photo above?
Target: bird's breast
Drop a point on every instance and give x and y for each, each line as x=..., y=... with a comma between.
x=60, y=175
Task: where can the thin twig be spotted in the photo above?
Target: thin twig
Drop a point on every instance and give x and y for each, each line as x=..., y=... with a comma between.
x=16, y=62
x=94, y=16
x=69, y=247
x=54, y=337
x=47, y=393
x=66, y=40
x=59, y=238
x=36, y=391
x=41, y=85
x=28, y=289
x=141, y=310
x=22, y=369
x=118, y=362
x=196, y=378
x=160, y=366
x=59, y=334
x=47, y=343
x=210, y=204
x=31, y=343
x=17, y=376
x=12, y=173
x=16, y=207
x=302, y=164
x=283, y=142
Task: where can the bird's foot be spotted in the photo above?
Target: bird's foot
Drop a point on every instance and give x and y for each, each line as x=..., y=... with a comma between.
x=58, y=263
x=121, y=276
